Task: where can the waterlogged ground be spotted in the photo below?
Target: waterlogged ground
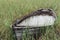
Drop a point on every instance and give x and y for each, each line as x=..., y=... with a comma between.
x=13, y=9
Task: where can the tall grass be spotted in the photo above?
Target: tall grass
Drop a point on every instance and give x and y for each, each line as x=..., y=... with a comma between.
x=13, y=9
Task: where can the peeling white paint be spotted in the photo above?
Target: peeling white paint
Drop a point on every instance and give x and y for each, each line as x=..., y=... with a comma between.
x=38, y=21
